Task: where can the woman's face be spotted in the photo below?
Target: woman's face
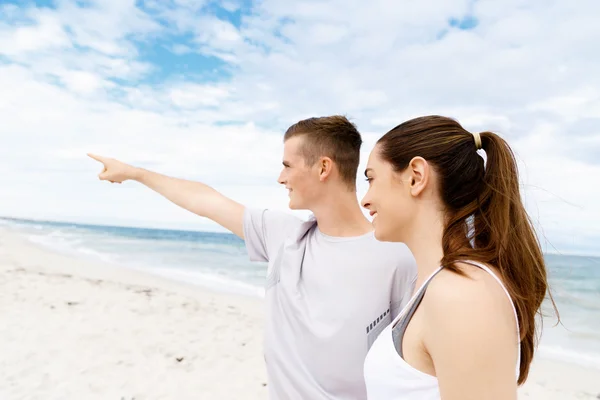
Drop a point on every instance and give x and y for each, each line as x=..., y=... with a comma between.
x=389, y=199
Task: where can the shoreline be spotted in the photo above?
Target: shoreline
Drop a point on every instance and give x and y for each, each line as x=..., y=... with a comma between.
x=101, y=269
x=72, y=328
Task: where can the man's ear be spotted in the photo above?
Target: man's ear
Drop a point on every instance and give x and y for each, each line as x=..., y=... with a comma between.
x=325, y=165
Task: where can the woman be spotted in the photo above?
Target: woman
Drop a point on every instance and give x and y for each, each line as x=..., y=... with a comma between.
x=469, y=330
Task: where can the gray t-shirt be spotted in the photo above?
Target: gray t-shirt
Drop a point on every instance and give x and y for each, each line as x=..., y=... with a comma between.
x=327, y=299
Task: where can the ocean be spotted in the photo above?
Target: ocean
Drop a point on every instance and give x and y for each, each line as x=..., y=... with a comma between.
x=218, y=261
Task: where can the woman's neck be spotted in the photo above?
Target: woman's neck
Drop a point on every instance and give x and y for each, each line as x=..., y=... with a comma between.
x=426, y=245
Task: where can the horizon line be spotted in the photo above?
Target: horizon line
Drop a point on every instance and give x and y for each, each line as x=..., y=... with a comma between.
x=223, y=231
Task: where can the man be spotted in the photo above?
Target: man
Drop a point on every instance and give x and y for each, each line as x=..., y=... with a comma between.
x=330, y=287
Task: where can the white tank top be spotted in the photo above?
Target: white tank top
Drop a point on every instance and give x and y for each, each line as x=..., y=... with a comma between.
x=388, y=376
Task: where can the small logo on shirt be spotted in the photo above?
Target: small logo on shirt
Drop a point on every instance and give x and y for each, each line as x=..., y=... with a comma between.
x=378, y=324
x=378, y=320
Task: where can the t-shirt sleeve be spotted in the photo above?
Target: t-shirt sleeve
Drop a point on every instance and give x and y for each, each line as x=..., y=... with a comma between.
x=265, y=231
x=404, y=281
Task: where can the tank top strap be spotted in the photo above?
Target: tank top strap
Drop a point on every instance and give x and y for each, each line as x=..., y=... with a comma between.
x=400, y=324
x=489, y=270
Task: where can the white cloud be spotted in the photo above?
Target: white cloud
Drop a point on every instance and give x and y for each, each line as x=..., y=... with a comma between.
x=572, y=106
x=48, y=33
x=193, y=96
x=72, y=80
x=180, y=49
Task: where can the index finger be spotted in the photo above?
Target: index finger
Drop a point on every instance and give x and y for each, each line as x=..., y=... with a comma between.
x=96, y=157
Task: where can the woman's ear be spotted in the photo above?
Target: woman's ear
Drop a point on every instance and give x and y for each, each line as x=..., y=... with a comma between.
x=418, y=175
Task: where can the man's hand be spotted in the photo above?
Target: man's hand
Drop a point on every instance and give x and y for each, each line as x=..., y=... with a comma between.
x=114, y=170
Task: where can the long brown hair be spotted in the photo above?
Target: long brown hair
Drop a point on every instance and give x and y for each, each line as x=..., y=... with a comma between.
x=485, y=217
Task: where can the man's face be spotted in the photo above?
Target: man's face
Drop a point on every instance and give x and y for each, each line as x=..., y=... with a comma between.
x=301, y=181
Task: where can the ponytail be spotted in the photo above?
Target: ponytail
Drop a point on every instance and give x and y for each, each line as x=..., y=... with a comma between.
x=502, y=235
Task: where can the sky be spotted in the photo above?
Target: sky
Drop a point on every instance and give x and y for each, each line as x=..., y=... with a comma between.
x=204, y=90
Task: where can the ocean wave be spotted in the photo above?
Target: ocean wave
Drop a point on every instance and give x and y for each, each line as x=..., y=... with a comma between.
x=151, y=256
x=64, y=244
x=569, y=355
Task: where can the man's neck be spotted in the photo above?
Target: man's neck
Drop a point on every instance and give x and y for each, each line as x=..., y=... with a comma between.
x=341, y=216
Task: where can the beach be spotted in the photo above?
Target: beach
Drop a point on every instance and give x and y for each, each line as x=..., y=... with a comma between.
x=73, y=328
